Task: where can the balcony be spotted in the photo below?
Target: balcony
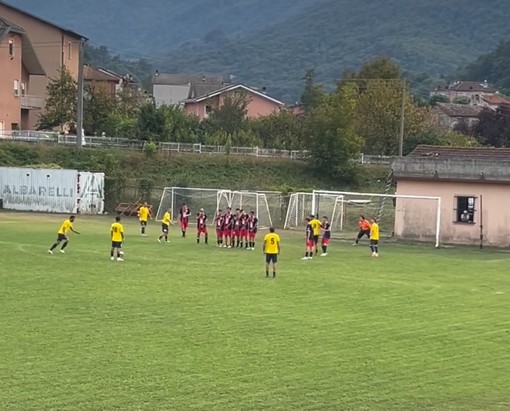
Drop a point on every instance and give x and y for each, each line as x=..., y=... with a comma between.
x=32, y=102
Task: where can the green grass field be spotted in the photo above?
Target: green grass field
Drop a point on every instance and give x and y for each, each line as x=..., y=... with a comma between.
x=185, y=327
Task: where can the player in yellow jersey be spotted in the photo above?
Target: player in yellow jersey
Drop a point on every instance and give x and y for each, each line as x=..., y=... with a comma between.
x=66, y=226
x=165, y=224
x=117, y=235
x=143, y=215
x=374, y=237
x=316, y=227
x=271, y=249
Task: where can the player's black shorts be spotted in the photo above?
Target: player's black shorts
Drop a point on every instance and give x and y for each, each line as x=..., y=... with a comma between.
x=362, y=233
x=374, y=242
x=116, y=244
x=61, y=237
x=271, y=258
x=143, y=223
x=164, y=228
x=315, y=239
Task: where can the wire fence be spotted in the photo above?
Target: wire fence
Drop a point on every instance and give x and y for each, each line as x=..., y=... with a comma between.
x=168, y=147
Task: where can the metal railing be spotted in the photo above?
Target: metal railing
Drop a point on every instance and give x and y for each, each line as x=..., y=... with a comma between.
x=170, y=147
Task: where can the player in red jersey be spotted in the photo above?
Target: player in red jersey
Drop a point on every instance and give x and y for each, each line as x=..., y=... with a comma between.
x=310, y=243
x=244, y=229
x=184, y=213
x=228, y=220
x=326, y=236
x=202, y=226
x=237, y=228
x=253, y=226
x=218, y=222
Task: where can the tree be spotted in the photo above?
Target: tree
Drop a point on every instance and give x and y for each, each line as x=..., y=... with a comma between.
x=62, y=101
x=492, y=128
x=151, y=122
x=230, y=117
x=381, y=67
x=438, y=98
x=331, y=137
x=313, y=94
x=461, y=100
x=378, y=117
x=282, y=130
x=98, y=112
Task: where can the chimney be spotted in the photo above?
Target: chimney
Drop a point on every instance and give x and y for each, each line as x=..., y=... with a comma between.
x=264, y=90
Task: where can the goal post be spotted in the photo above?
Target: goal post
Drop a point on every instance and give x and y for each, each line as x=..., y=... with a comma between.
x=195, y=198
x=302, y=205
x=409, y=217
x=247, y=201
x=213, y=199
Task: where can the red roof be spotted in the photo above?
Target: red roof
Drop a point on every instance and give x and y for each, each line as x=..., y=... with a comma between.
x=495, y=100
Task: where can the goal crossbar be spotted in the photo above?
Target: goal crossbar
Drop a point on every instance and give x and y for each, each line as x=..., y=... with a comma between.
x=396, y=196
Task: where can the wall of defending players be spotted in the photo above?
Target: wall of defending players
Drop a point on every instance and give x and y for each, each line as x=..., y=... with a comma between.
x=234, y=229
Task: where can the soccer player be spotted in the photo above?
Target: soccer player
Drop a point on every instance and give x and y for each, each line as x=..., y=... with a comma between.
x=228, y=223
x=271, y=249
x=374, y=238
x=143, y=215
x=364, y=229
x=184, y=213
x=243, y=233
x=237, y=228
x=165, y=225
x=253, y=226
x=309, y=240
x=316, y=227
x=202, y=226
x=218, y=221
x=62, y=235
x=117, y=236
x=326, y=236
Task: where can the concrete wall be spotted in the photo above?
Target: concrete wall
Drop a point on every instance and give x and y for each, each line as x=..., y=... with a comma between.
x=412, y=217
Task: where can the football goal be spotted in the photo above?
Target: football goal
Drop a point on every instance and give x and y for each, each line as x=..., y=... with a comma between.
x=407, y=217
x=212, y=200
x=247, y=201
x=302, y=205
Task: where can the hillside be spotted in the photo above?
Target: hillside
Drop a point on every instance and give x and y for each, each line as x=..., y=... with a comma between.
x=271, y=43
x=146, y=28
x=433, y=36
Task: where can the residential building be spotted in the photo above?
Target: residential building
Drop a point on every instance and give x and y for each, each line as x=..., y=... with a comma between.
x=451, y=115
x=94, y=78
x=173, y=89
x=470, y=90
x=494, y=102
x=259, y=103
x=18, y=64
x=473, y=185
x=54, y=46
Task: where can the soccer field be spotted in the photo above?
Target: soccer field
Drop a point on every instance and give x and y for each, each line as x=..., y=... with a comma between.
x=182, y=326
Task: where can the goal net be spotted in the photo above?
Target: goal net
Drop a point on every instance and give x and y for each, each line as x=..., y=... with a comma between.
x=302, y=205
x=212, y=200
x=247, y=201
x=399, y=216
x=195, y=198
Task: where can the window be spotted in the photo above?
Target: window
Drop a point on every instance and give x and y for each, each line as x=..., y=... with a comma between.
x=69, y=50
x=208, y=110
x=23, y=88
x=11, y=48
x=16, y=87
x=464, y=211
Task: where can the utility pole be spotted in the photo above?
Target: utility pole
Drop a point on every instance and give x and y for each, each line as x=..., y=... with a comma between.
x=402, y=119
x=79, y=106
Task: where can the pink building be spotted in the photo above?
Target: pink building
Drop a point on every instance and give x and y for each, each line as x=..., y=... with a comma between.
x=259, y=104
x=18, y=63
x=473, y=185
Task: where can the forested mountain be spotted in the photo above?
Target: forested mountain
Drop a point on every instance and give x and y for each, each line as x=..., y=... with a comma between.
x=493, y=67
x=271, y=43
